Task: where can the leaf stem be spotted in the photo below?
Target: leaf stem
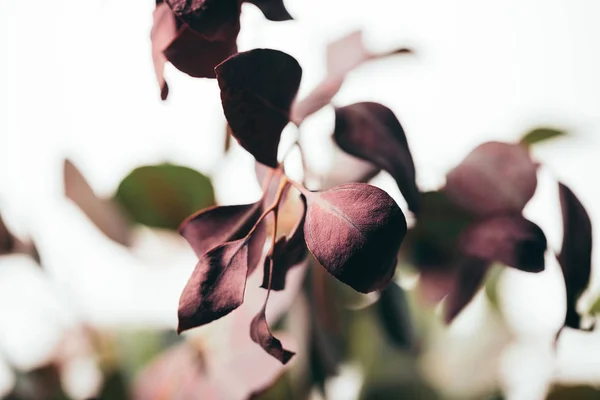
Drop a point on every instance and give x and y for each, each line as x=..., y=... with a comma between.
x=273, y=207
x=299, y=186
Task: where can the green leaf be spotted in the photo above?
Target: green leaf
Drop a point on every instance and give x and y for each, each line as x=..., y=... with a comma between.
x=541, y=135
x=595, y=308
x=162, y=196
x=491, y=285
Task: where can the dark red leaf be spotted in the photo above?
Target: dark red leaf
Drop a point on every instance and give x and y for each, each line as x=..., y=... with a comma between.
x=257, y=90
x=213, y=19
x=273, y=10
x=287, y=253
x=372, y=132
x=261, y=334
x=495, y=178
x=355, y=231
x=575, y=256
x=209, y=228
x=197, y=56
x=216, y=286
x=512, y=240
x=470, y=273
x=163, y=32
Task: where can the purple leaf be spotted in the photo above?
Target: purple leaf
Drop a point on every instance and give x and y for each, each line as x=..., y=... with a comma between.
x=512, y=240
x=469, y=276
x=261, y=334
x=372, y=132
x=576, y=252
x=213, y=19
x=197, y=56
x=495, y=178
x=273, y=10
x=163, y=32
x=209, y=228
x=257, y=90
x=355, y=231
x=287, y=253
x=216, y=286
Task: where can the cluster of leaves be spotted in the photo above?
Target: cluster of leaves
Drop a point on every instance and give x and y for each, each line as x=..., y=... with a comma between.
x=353, y=230
x=196, y=35
x=461, y=229
x=476, y=220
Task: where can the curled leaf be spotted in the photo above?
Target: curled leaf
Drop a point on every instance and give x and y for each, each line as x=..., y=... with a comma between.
x=216, y=286
x=162, y=196
x=261, y=334
x=197, y=56
x=257, y=90
x=468, y=279
x=512, y=240
x=273, y=10
x=575, y=256
x=495, y=178
x=355, y=231
x=163, y=32
x=104, y=213
x=213, y=19
x=372, y=132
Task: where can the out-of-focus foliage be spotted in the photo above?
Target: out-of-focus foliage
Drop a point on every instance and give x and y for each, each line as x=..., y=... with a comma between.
x=162, y=196
x=539, y=135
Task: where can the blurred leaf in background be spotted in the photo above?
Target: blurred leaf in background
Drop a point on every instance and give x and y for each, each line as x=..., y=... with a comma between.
x=541, y=134
x=162, y=196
